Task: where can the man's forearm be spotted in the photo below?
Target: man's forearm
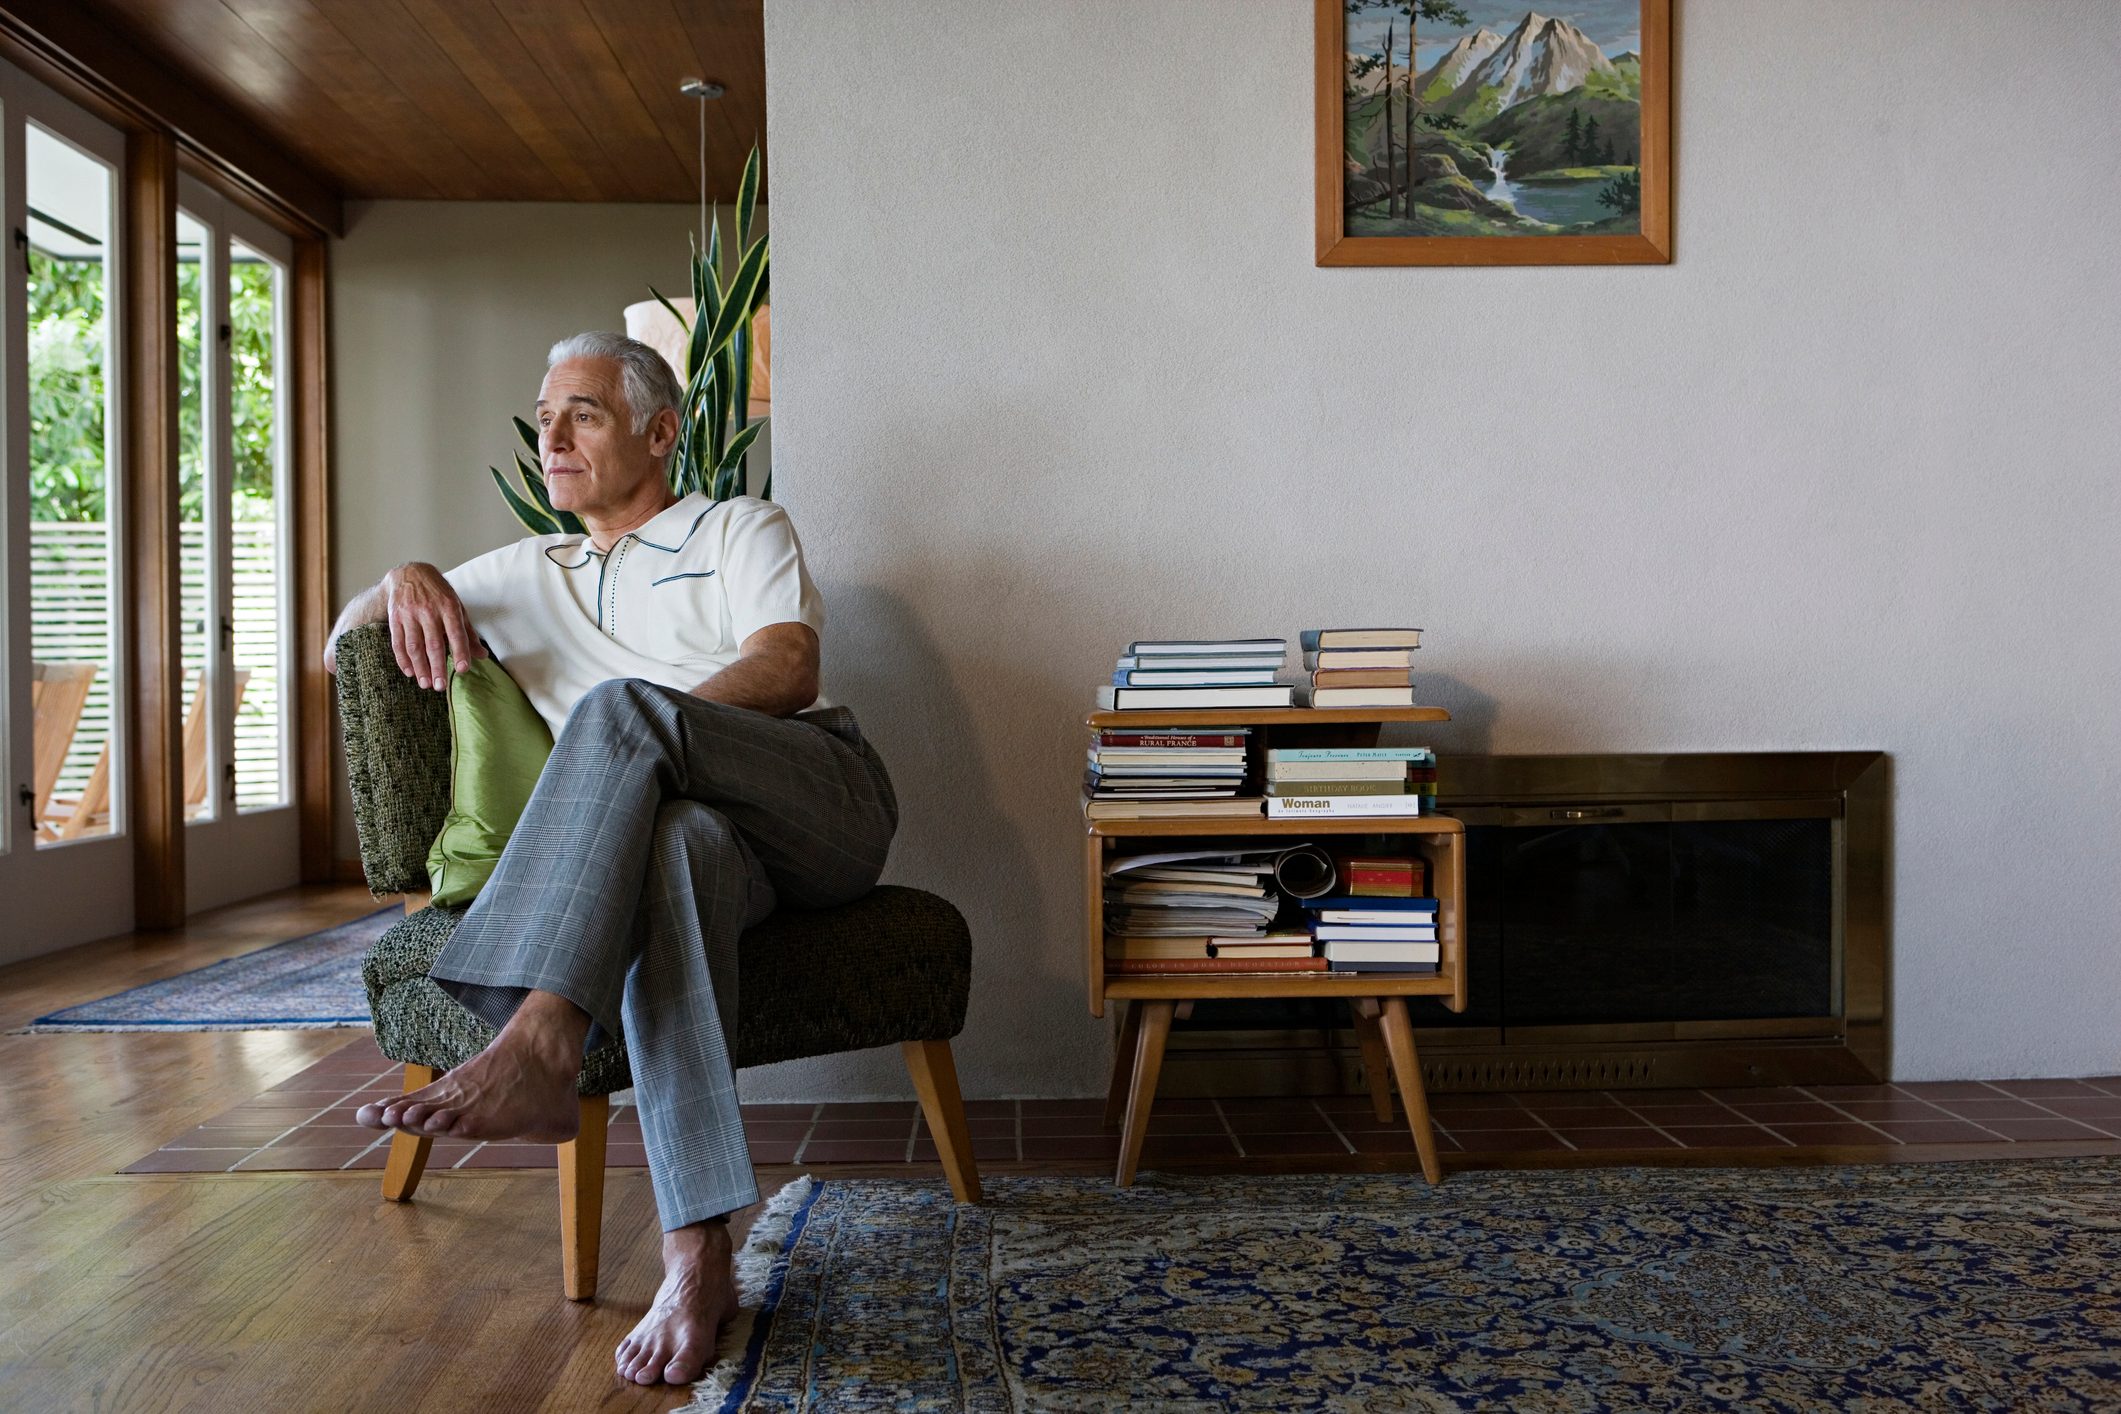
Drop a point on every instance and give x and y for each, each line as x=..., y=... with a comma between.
x=779, y=685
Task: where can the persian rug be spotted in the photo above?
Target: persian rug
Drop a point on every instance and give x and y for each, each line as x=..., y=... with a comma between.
x=312, y=982
x=1911, y=1286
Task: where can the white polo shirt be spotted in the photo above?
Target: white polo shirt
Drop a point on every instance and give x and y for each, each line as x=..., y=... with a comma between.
x=671, y=602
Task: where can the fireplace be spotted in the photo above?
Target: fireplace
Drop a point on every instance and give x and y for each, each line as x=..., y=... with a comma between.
x=1635, y=922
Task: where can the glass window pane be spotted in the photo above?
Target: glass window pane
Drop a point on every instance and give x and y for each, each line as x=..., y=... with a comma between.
x=73, y=531
x=195, y=566
x=255, y=287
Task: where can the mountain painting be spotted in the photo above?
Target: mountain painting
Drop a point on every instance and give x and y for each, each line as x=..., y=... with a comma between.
x=1484, y=120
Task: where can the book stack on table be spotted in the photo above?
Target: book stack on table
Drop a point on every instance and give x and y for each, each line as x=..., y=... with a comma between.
x=1198, y=911
x=1341, y=781
x=1359, y=667
x=1199, y=673
x=1359, y=934
x=1149, y=773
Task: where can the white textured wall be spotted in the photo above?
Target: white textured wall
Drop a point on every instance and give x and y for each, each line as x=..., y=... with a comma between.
x=442, y=313
x=1055, y=370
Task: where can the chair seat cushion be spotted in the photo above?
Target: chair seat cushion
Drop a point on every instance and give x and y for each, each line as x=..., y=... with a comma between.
x=895, y=965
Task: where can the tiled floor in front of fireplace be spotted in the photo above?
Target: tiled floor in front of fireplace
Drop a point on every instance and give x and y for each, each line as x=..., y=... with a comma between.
x=307, y=1123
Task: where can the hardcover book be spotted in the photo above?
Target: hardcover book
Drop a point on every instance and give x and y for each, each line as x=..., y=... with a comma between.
x=1144, y=739
x=1238, y=808
x=1413, y=755
x=1372, y=905
x=1286, y=807
x=1153, y=966
x=1362, y=677
x=1314, y=639
x=1257, y=647
x=1281, y=768
x=1168, y=698
x=1381, y=952
x=1194, y=677
x=1336, y=787
x=1359, y=658
x=1269, y=661
x=1355, y=697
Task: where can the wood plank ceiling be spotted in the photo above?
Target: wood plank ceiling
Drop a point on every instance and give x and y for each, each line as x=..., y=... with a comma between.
x=466, y=100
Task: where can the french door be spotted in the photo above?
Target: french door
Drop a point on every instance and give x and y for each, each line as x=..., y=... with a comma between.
x=237, y=573
x=66, y=862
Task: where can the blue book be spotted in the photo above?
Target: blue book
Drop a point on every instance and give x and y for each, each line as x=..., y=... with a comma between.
x=1421, y=754
x=1373, y=905
x=1192, y=677
x=1400, y=967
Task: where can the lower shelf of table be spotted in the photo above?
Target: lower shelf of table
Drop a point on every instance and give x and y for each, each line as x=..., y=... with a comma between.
x=1188, y=986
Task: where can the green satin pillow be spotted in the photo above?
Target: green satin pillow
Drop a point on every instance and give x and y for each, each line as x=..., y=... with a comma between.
x=497, y=746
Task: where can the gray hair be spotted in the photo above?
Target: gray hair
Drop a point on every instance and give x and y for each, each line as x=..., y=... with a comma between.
x=649, y=383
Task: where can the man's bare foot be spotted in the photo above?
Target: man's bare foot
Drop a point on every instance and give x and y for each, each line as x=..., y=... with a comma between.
x=674, y=1343
x=520, y=1087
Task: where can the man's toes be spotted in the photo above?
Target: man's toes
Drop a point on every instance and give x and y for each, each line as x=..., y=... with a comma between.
x=371, y=1117
x=684, y=1368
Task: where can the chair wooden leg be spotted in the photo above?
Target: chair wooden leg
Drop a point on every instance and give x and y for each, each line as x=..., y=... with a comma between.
x=1141, y=1091
x=582, y=1200
x=935, y=1078
x=408, y=1152
x=1406, y=1069
x=1130, y=1030
x=1376, y=1063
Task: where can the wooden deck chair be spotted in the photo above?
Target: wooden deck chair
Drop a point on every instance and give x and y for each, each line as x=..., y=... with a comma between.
x=58, y=693
x=78, y=815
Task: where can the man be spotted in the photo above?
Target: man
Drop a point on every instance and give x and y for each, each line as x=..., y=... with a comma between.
x=696, y=778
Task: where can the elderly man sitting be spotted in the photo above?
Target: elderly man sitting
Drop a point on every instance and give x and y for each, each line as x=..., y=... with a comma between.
x=697, y=777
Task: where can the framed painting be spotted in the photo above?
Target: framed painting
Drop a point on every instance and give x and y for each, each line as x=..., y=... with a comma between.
x=1482, y=132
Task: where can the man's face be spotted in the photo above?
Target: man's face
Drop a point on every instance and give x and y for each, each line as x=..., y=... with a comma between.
x=593, y=459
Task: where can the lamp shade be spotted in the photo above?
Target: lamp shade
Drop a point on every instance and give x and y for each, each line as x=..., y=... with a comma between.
x=649, y=322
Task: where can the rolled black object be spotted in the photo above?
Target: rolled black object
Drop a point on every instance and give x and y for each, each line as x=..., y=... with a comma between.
x=1304, y=871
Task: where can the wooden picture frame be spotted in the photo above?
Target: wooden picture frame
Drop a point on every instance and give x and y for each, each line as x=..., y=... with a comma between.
x=1337, y=246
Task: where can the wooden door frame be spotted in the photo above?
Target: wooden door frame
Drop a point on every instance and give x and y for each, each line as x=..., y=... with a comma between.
x=171, y=126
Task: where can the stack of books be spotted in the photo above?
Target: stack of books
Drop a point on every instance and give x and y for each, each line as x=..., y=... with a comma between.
x=1339, y=781
x=1359, y=667
x=1193, y=673
x=1143, y=773
x=1198, y=911
x=1365, y=933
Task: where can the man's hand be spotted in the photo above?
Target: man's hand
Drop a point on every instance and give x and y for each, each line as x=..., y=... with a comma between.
x=428, y=624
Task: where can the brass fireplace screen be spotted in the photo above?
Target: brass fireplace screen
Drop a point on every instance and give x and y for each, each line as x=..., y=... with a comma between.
x=1634, y=922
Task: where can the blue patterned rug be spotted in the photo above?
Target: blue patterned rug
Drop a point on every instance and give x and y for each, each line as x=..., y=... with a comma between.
x=303, y=984
x=1910, y=1286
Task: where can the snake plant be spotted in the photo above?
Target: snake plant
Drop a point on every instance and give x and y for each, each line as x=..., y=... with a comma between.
x=715, y=431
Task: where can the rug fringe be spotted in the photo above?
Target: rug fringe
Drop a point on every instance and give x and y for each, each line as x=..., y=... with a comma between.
x=765, y=1246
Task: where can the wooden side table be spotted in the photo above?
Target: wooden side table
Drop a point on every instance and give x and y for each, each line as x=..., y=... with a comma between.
x=1379, y=1000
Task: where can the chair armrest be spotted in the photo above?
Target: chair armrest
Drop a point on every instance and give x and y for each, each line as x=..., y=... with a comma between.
x=397, y=760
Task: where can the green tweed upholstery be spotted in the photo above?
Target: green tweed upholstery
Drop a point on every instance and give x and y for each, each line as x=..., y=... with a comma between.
x=397, y=760
x=895, y=965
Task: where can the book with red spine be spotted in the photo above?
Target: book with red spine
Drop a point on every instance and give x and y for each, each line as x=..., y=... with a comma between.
x=1151, y=965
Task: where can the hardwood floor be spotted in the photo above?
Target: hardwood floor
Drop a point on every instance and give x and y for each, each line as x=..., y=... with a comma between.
x=300, y=1291
x=278, y=1291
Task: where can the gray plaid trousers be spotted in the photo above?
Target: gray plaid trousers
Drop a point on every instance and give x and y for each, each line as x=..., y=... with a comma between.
x=662, y=827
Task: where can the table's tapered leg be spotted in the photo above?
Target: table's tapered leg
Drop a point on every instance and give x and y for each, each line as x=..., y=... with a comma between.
x=1406, y=1069
x=1141, y=1090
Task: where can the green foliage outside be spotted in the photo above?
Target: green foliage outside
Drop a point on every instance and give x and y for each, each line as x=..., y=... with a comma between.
x=66, y=389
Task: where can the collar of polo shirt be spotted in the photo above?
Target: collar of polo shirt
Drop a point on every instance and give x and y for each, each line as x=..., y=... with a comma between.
x=668, y=530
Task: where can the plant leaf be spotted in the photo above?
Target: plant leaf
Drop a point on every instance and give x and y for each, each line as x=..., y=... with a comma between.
x=741, y=300
x=747, y=194
x=733, y=459
x=683, y=322
x=534, y=522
